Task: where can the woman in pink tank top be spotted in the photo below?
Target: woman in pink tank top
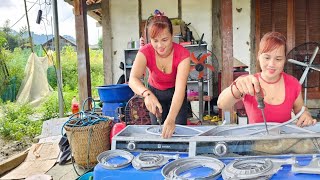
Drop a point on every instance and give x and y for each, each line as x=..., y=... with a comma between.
x=281, y=91
x=168, y=64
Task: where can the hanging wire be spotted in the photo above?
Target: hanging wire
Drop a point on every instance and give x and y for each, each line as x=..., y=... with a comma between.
x=24, y=14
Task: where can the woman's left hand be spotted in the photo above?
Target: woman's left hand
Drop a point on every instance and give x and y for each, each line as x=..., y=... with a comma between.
x=168, y=128
x=306, y=120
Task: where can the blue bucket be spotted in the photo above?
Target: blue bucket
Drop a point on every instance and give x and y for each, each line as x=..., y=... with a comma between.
x=115, y=93
x=86, y=176
x=111, y=109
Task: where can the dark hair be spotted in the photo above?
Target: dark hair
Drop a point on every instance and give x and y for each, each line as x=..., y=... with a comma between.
x=157, y=23
x=269, y=42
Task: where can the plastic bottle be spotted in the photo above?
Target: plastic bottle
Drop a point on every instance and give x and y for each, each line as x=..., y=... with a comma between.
x=74, y=105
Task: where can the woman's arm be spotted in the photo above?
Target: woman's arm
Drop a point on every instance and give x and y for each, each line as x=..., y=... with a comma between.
x=306, y=118
x=241, y=86
x=135, y=83
x=138, y=68
x=178, y=97
x=226, y=99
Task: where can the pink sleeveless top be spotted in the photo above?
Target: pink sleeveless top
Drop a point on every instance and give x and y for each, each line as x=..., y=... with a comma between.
x=274, y=113
x=157, y=78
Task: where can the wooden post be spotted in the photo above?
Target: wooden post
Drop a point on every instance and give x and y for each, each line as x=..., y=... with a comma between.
x=84, y=77
x=107, y=42
x=227, y=47
x=255, y=24
x=290, y=25
x=216, y=45
x=58, y=63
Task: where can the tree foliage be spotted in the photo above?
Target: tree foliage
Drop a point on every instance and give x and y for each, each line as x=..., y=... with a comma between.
x=13, y=40
x=100, y=43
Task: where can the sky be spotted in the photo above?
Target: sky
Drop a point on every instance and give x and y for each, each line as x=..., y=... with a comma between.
x=14, y=10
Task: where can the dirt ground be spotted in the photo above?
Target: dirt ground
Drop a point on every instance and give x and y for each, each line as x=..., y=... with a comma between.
x=10, y=148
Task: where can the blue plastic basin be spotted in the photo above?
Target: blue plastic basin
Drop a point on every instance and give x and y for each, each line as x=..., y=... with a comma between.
x=115, y=93
x=86, y=176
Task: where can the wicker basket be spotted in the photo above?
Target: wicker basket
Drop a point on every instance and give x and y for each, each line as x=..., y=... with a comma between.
x=88, y=142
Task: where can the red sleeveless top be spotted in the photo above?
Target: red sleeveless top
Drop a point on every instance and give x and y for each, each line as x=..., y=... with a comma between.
x=274, y=113
x=157, y=78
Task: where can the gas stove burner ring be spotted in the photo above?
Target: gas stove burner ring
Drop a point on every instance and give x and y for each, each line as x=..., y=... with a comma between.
x=248, y=169
x=149, y=161
x=174, y=169
x=250, y=165
x=148, y=158
x=105, y=156
x=180, y=131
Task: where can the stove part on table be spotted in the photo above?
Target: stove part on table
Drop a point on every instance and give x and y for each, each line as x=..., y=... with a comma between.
x=282, y=124
x=180, y=131
x=105, y=157
x=312, y=168
x=151, y=161
x=254, y=168
x=174, y=169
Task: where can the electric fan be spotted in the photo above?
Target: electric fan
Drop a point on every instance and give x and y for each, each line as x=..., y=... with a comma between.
x=305, y=65
x=202, y=69
x=136, y=113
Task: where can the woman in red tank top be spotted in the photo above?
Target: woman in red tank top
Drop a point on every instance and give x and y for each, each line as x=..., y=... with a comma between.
x=281, y=91
x=168, y=64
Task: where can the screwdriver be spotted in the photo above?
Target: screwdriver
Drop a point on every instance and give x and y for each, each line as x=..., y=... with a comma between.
x=159, y=119
x=261, y=106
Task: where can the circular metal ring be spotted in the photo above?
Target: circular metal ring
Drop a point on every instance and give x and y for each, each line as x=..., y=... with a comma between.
x=176, y=167
x=105, y=156
x=145, y=161
x=247, y=169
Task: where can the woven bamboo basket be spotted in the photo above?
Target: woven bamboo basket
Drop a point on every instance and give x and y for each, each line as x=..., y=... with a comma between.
x=88, y=142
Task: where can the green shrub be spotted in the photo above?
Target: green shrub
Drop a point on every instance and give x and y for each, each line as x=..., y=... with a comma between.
x=50, y=107
x=16, y=62
x=16, y=124
x=52, y=78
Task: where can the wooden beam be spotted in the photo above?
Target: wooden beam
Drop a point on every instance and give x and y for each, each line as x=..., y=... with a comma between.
x=93, y=6
x=227, y=47
x=307, y=21
x=84, y=78
x=141, y=29
x=257, y=33
x=290, y=25
x=273, y=16
x=253, y=25
x=76, y=6
x=13, y=161
x=216, y=44
x=107, y=42
x=179, y=9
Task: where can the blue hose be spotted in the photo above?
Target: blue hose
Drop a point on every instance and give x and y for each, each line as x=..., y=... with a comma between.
x=84, y=118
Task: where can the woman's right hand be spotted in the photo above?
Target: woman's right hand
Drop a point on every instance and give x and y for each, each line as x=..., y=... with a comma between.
x=152, y=103
x=247, y=85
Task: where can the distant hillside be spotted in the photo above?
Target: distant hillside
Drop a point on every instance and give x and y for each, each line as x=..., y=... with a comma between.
x=42, y=38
